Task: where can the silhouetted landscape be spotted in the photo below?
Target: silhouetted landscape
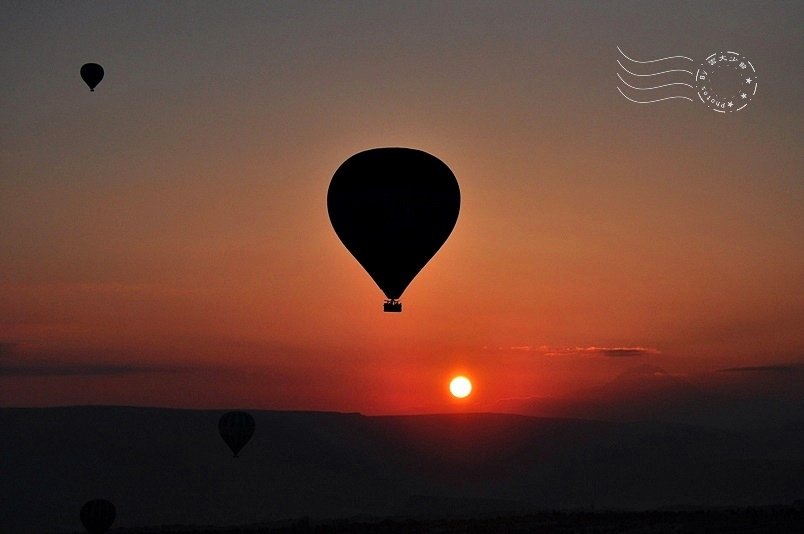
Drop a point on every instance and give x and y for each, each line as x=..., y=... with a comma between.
x=170, y=467
x=759, y=520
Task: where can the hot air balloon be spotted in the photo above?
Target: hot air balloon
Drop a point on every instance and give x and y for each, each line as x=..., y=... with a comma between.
x=236, y=428
x=97, y=516
x=92, y=74
x=393, y=208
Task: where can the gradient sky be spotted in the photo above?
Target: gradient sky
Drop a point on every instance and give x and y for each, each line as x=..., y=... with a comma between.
x=165, y=240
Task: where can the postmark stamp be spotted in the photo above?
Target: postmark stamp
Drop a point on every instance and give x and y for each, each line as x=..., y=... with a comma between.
x=724, y=82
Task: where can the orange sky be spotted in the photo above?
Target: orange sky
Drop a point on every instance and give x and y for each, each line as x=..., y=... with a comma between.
x=165, y=240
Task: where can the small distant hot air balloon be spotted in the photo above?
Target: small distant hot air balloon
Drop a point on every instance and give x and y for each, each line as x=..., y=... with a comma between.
x=97, y=516
x=393, y=208
x=92, y=74
x=236, y=428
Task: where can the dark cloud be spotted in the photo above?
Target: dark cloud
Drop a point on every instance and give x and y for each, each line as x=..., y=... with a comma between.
x=6, y=349
x=613, y=352
x=80, y=369
x=789, y=368
x=620, y=351
x=17, y=360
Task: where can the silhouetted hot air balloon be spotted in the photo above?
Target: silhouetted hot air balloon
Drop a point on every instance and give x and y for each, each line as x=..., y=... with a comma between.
x=393, y=208
x=236, y=428
x=97, y=516
x=92, y=74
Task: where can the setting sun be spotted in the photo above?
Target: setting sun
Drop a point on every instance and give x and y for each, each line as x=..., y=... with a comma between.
x=460, y=387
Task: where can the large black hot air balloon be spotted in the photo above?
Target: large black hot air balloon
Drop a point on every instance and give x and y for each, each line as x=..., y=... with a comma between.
x=393, y=208
x=92, y=74
x=97, y=516
x=236, y=428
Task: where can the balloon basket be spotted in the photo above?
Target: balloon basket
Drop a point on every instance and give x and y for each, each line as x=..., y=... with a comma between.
x=392, y=305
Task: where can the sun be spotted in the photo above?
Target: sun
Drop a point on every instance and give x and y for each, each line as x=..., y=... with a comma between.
x=460, y=387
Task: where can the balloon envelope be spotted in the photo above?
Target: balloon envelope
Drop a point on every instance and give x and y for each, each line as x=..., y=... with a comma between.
x=393, y=208
x=97, y=515
x=92, y=74
x=236, y=428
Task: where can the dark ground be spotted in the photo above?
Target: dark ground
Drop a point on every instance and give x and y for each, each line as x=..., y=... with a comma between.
x=765, y=520
x=426, y=473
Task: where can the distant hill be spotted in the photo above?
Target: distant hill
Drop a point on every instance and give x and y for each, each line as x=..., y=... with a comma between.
x=164, y=466
x=648, y=392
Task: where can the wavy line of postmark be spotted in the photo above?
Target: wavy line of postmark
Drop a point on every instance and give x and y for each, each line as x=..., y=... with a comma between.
x=724, y=82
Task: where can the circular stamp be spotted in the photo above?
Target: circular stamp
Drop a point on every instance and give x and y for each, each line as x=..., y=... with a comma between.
x=726, y=82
